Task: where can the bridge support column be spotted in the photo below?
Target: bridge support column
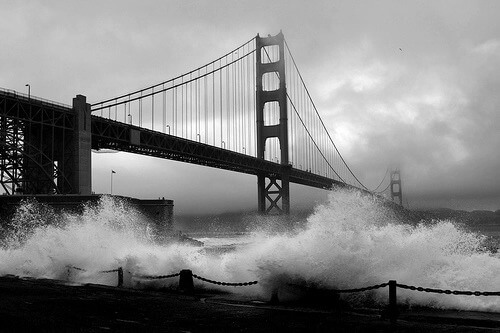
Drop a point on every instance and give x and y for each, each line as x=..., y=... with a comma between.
x=82, y=163
x=396, y=191
x=285, y=189
x=261, y=193
x=273, y=191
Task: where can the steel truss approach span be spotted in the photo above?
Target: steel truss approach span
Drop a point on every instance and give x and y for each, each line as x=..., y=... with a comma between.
x=248, y=111
x=36, y=141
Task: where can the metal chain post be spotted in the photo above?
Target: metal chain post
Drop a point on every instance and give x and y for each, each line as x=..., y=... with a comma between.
x=186, y=281
x=393, y=306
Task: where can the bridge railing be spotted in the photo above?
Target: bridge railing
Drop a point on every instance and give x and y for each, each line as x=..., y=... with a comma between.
x=17, y=94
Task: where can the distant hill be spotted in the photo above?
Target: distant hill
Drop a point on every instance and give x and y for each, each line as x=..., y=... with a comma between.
x=480, y=221
x=474, y=218
x=237, y=222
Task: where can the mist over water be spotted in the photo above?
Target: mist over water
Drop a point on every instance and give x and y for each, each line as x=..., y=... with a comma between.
x=350, y=241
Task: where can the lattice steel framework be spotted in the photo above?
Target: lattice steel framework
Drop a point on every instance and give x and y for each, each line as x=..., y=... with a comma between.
x=36, y=145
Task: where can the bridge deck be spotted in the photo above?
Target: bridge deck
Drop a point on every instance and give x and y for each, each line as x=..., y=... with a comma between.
x=119, y=136
x=115, y=135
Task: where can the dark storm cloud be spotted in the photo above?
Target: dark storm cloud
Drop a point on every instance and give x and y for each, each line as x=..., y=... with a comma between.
x=418, y=92
x=438, y=122
x=413, y=84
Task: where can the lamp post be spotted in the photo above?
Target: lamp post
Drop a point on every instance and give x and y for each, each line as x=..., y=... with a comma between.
x=29, y=90
x=112, y=172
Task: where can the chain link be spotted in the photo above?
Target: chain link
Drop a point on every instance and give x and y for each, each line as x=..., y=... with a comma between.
x=76, y=268
x=427, y=290
x=449, y=292
x=157, y=277
x=377, y=286
x=225, y=283
x=84, y=270
x=110, y=271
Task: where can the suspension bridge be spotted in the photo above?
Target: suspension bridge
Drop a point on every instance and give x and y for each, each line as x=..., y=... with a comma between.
x=248, y=111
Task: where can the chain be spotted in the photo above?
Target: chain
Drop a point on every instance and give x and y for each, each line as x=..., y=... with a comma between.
x=110, y=271
x=84, y=270
x=76, y=268
x=225, y=283
x=450, y=292
x=377, y=286
x=157, y=277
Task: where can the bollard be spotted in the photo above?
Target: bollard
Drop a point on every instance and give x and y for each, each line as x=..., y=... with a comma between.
x=274, y=297
x=393, y=307
x=186, y=281
x=120, y=277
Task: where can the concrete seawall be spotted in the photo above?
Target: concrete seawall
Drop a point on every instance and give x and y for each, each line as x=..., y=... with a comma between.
x=158, y=211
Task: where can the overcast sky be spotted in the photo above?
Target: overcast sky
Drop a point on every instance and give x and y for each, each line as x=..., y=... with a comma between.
x=409, y=83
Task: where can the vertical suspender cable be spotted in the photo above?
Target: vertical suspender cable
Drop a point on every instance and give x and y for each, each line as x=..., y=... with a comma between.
x=213, y=102
x=205, y=106
x=164, y=109
x=220, y=90
x=254, y=114
x=140, y=111
x=315, y=109
x=153, y=110
x=182, y=110
x=190, y=106
x=228, y=115
x=234, y=122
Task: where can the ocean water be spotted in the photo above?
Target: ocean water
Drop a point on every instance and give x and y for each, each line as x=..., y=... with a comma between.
x=350, y=241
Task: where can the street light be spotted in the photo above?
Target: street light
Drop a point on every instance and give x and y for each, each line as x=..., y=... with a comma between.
x=112, y=172
x=29, y=90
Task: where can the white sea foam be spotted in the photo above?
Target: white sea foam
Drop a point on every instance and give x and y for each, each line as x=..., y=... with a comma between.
x=351, y=241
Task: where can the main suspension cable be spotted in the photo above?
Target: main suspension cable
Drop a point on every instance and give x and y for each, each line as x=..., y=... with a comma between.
x=321, y=120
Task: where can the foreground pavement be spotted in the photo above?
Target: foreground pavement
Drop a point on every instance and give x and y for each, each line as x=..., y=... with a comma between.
x=51, y=305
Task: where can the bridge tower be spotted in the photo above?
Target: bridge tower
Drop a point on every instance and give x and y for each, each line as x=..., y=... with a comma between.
x=396, y=191
x=273, y=189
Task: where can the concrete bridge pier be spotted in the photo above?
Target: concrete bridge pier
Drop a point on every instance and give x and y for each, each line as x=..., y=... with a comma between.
x=82, y=163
